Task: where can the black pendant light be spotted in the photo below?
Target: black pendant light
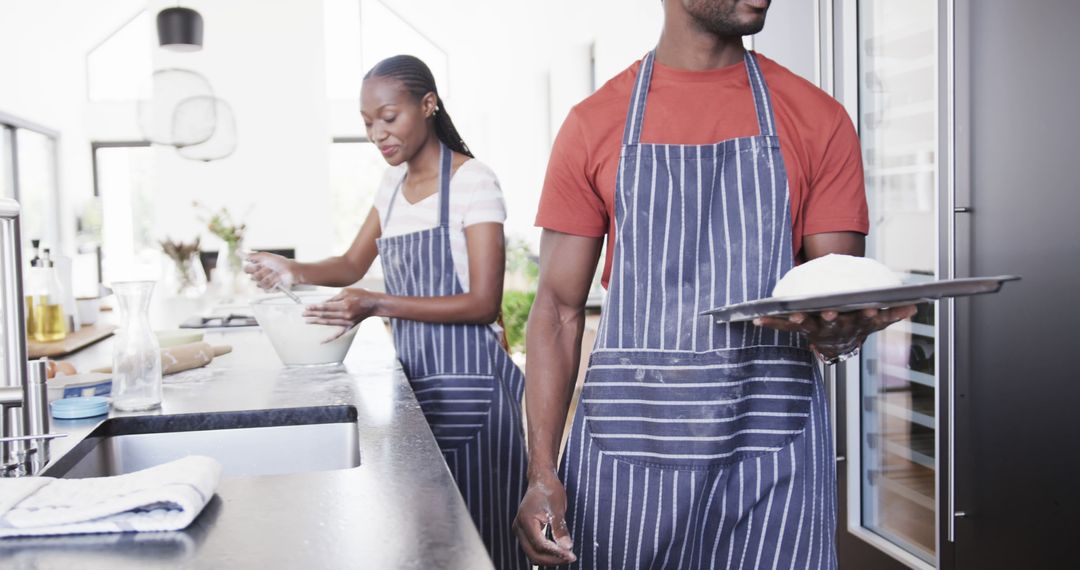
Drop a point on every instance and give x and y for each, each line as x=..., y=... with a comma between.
x=180, y=29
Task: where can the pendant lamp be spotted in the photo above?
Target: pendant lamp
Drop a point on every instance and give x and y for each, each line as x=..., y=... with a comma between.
x=180, y=29
x=173, y=115
x=222, y=142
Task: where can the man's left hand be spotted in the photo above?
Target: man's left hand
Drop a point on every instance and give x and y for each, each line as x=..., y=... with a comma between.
x=834, y=334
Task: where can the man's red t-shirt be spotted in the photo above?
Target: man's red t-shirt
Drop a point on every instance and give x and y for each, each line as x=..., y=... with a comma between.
x=818, y=142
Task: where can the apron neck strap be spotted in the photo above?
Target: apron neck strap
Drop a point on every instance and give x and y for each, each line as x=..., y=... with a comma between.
x=762, y=100
x=635, y=115
x=446, y=157
x=445, y=162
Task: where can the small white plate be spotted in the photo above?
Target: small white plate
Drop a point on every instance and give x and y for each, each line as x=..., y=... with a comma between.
x=169, y=338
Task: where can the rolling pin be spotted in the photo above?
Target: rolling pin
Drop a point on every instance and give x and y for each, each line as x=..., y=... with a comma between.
x=184, y=357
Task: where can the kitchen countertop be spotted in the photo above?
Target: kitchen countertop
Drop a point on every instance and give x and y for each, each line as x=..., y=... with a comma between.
x=399, y=509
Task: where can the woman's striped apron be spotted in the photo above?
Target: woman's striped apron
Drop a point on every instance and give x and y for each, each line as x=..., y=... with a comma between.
x=698, y=445
x=467, y=385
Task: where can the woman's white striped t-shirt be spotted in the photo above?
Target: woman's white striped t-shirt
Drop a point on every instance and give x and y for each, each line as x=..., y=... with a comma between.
x=475, y=198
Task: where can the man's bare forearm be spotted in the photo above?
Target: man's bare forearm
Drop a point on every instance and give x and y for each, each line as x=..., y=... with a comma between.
x=553, y=341
x=554, y=348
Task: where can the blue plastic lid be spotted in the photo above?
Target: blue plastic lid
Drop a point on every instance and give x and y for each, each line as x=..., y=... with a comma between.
x=74, y=408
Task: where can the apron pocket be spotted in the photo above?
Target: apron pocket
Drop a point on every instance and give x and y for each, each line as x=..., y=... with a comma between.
x=456, y=406
x=690, y=410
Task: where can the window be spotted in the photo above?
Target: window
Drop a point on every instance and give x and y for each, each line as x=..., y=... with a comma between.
x=28, y=174
x=124, y=182
x=356, y=167
x=360, y=33
x=36, y=155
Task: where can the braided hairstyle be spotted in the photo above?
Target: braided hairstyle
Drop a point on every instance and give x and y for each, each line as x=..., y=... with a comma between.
x=417, y=79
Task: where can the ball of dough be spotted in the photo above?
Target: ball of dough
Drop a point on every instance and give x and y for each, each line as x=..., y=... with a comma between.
x=835, y=273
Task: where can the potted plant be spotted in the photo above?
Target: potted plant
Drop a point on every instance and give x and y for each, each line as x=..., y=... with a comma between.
x=229, y=271
x=185, y=274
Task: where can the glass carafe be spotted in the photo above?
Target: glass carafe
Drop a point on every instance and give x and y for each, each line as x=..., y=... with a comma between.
x=136, y=352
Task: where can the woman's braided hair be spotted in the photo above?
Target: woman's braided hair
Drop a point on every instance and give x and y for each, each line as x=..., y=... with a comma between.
x=417, y=79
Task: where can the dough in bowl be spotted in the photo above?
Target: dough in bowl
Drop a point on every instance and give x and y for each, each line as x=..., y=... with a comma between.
x=835, y=273
x=296, y=342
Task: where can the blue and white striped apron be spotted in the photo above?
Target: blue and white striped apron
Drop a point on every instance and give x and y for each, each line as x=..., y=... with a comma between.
x=469, y=389
x=698, y=445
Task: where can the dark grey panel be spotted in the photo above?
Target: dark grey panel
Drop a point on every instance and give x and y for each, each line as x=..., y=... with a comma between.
x=1018, y=386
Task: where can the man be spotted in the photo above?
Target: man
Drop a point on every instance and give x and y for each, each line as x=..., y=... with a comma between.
x=711, y=171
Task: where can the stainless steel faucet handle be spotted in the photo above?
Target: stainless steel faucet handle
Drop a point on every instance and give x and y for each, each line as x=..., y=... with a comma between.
x=42, y=437
x=36, y=404
x=28, y=461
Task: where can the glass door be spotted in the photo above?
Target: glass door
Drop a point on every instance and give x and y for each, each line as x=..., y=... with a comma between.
x=897, y=60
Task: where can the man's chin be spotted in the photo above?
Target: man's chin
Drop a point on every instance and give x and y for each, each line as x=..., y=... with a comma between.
x=749, y=22
x=743, y=25
x=753, y=27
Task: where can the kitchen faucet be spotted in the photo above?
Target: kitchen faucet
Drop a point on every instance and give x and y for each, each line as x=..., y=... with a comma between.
x=24, y=445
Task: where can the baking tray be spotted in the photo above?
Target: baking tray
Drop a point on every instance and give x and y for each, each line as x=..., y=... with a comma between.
x=856, y=300
x=220, y=322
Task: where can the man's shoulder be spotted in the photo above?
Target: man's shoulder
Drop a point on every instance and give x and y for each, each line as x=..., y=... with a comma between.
x=607, y=105
x=792, y=88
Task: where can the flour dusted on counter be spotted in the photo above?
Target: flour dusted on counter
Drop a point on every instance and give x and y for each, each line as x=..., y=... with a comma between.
x=835, y=273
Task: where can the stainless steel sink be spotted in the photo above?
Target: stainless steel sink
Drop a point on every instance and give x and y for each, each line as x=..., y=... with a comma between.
x=262, y=442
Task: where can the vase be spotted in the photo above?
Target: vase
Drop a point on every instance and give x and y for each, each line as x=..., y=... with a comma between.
x=185, y=277
x=229, y=275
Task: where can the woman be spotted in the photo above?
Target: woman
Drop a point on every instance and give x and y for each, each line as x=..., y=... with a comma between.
x=437, y=227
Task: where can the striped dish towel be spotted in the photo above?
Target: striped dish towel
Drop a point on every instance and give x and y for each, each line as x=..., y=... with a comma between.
x=164, y=497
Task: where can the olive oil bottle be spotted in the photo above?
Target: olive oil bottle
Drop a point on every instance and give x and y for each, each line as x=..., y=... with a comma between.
x=45, y=318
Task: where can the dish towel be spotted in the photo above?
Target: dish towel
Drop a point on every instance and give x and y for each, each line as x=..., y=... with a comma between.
x=164, y=497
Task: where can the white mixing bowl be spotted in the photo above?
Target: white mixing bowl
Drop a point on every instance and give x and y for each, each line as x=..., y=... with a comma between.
x=296, y=342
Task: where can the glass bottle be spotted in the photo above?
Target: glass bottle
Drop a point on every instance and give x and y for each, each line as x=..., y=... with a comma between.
x=136, y=352
x=46, y=321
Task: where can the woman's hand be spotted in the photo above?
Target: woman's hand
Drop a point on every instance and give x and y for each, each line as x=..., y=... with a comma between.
x=268, y=270
x=346, y=309
x=835, y=335
x=541, y=523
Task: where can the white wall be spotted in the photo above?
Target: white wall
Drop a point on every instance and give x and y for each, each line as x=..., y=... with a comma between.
x=790, y=36
x=266, y=60
x=42, y=78
x=264, y=57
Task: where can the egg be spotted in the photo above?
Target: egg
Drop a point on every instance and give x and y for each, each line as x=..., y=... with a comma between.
x=54, y=368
